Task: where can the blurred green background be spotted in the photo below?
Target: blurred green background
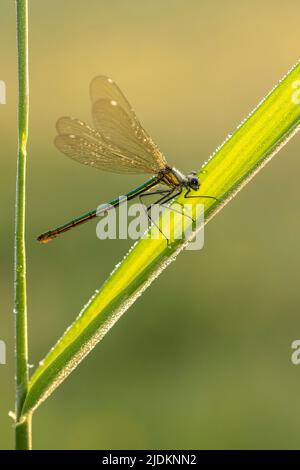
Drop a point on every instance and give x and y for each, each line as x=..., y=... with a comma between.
x=202, y=359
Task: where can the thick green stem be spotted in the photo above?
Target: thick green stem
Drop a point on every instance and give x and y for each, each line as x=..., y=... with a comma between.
x=23, y=434
x=23, y=425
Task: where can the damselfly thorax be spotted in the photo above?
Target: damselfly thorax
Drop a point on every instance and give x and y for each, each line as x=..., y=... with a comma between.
x=172, y=177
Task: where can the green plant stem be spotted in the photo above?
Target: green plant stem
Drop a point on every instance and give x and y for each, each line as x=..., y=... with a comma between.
x=23, y=427
x=23, y=434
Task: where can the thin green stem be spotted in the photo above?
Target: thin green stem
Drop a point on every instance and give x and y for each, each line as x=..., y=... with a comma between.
x=23, y=426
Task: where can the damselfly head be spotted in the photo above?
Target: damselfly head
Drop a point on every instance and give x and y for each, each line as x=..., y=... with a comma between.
x=193, y=181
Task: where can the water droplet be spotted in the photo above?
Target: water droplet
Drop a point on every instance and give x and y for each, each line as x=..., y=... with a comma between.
x=12, y=415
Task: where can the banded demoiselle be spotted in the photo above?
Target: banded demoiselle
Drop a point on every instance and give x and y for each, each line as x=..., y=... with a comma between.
x=118, y=143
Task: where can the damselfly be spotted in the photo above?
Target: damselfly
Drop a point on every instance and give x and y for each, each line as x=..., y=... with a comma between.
x=118, y=144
